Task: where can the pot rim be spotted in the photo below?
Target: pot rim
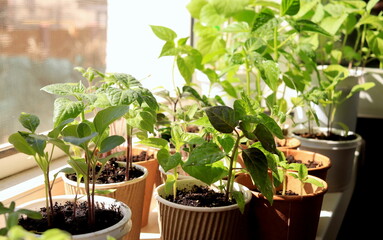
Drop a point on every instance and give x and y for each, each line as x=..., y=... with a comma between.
x=110, y=185
x=125, y=210
x=322, y=191
x=330, y=142
x=311, y=153
x=162, y=200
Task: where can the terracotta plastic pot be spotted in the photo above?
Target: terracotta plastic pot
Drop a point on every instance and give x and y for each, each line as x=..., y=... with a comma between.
x=152, y=167
x=200, y=223
x=306, y=156
x=130, y=192
x=118, y=231
x=289, y=217
x=341, y=154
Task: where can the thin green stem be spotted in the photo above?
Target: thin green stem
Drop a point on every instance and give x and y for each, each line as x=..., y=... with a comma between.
x=231, y=163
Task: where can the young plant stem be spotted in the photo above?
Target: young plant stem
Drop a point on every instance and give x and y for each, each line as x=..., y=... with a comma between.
x=284, y=182
x=231, y=163
x=175, y=184
x=129, y=148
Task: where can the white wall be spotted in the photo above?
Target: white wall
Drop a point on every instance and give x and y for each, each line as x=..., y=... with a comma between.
x=133, y=48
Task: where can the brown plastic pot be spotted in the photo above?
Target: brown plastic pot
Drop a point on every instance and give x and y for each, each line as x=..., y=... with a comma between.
x=289, y=217
x=177, y=221
x=306, y=156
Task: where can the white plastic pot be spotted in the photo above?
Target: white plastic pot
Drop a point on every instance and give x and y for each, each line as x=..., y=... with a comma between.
x=341, y=154
x=118, y=231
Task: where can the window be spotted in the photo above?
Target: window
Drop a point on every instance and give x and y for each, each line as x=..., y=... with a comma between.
x=42, y=41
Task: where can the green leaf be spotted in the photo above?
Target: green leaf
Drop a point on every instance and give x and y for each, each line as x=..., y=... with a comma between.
x=271, y=72
x=117, y=96
x=290, y=7
x=64, y=89
x=256, y=164
x=163, y=33
x=79, y=141
x=304, y=25
x=333, y=24
x=111, y=142
x=29, y=121
x=167, y=161
x=210, y=16
x=195, y=6
x=360, y=87
x=222, y=118
x=168, y=49
x=107, y=116
x=21, y=144
x=229, y=88
x=229, y=7
x=79, y=166
x=266, y=138
x=261, y=19
x=207, y=173
x=30, y=213
x=205, y=154
x=83, y=130
x=315, y=182
x=370, y=5
x=227, y=142
x=271, y=125
x=155, y=142
x=65, y=109
x=185, y=68
x=240, y=199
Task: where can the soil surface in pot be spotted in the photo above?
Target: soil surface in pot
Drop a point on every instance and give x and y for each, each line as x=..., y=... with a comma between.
x=200, y=196
x=64, y=220
x=325, y=136
x=309, y=164
x=112, y=173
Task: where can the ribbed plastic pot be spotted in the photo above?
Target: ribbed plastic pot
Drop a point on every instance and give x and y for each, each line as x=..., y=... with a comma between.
x=177, y=221
x=130, y=192
x=118, y=231
x=341, y=154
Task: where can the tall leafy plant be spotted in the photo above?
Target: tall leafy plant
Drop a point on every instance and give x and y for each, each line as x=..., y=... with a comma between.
x=258, y=39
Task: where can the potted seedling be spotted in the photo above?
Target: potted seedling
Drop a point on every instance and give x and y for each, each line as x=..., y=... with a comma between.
x=123, y=178
x=213, y=163
x=34, y=144
x=339, y=145
x=296, y=196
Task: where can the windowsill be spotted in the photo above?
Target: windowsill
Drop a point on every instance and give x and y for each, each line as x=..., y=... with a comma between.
x=29, y=183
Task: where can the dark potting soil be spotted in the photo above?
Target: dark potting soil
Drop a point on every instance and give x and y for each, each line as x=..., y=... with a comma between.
x=287, y=193
x=64, y=220
x=200, y=196
x=309, y=164
x=112, y=173
x=325, y=136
